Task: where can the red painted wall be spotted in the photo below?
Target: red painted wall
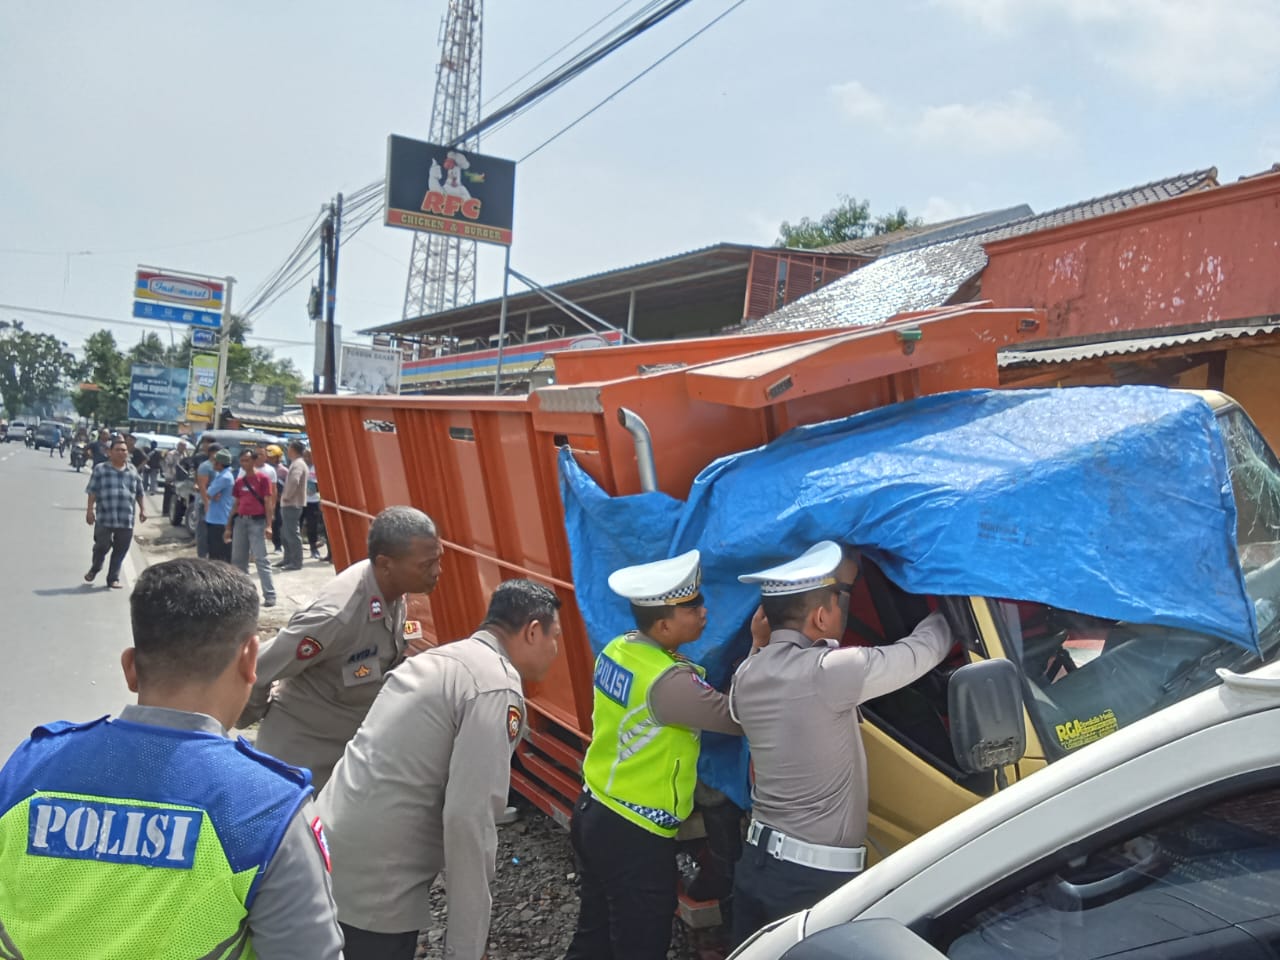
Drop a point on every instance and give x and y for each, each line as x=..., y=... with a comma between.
x=1205, y=257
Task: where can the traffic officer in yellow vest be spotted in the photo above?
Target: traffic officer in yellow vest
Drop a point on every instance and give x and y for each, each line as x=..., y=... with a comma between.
x=796, y=698
x=153, y=834
x=419, y=787
x=334, y=653
x=642, y=765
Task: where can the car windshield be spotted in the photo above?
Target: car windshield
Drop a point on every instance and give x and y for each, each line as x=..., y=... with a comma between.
x=1089, y=676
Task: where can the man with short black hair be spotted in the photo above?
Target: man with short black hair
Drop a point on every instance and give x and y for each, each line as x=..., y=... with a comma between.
x=154, y=833
x=293, y=500
x=114, y=487
x=418, y=788
x=332, y=656
x=253, y=497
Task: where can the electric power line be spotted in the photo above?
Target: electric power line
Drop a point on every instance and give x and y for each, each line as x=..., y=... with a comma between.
x=150, y=324
x=666, y=56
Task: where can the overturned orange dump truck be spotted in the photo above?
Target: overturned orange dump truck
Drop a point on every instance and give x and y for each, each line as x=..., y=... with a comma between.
x=485, y=468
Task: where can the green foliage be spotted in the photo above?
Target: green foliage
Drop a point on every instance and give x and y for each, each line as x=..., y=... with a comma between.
x=35, y=369
x=108, y=368
x=851, y=219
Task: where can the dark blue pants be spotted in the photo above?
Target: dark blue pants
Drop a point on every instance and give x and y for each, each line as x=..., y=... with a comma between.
x=767, y=889
x=626, y=885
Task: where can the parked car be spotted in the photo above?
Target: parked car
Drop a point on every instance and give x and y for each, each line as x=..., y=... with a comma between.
x=184, y=485
x=1159, y=841
x=17, y=430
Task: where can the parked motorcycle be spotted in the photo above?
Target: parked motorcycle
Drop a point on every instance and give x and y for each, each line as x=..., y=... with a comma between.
x=79, y=455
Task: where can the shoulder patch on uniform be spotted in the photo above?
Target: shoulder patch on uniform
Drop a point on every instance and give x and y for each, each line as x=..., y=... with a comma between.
x=317, y=831
x=699, y=682
x=375, y=608
x=308, y=647
x=513, y=723
x=413, y=629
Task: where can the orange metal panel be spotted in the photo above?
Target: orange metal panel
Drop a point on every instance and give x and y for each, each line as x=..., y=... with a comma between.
x=486, y=468
x=1199, y=258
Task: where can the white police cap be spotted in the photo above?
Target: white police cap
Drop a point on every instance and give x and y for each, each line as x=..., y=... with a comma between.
x=661, y=583
x=814, y=568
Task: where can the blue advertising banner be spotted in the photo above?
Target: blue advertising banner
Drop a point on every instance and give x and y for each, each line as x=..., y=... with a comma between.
x=200, y=337
x=157, y=393
x=158, y=311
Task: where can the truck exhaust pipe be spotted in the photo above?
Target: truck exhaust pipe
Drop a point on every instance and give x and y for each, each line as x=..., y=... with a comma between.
x=644, y=448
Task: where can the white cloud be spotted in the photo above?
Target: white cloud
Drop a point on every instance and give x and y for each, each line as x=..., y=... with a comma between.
x=857, y=102
x=1019, y=122
x=938, y=209
x=1173, y=47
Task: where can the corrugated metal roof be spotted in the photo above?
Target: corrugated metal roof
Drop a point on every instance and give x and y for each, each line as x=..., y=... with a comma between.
x=1115, y=348
x=931, y=273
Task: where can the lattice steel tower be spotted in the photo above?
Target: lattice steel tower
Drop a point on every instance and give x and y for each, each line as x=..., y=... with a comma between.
x=442, y=270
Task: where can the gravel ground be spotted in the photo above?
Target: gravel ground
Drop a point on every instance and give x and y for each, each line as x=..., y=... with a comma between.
x=535, y=901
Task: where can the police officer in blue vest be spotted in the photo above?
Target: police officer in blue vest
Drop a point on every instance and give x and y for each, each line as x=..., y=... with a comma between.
x=152, y=834
x=640, y=770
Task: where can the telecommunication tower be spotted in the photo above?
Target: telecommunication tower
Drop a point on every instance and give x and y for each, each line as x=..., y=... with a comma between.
x=442, y=269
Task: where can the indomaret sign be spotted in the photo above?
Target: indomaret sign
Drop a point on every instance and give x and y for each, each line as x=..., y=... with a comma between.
x=448, y=190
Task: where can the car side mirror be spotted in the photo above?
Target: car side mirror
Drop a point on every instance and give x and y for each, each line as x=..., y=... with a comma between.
x=984, y=705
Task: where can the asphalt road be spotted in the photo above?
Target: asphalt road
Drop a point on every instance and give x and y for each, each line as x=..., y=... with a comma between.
x=60, y=638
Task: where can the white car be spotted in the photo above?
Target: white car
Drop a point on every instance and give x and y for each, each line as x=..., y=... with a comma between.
x=1161, y=841
x=17, y=430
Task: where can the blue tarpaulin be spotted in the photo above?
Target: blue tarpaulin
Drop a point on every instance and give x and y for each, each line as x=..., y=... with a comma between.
x=1109, y=501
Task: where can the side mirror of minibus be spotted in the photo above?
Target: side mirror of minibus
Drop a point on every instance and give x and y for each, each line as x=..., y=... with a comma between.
x=984, y=705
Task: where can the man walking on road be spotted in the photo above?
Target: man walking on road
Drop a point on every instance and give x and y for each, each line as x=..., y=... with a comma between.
x=114, y=487
x=417, y=790
x=293, y=498
x=153, y=833
x=253, y=499
x=169, y=467
x=334, y=653
x=56, y=443
x=100, y=449
x=204, y=474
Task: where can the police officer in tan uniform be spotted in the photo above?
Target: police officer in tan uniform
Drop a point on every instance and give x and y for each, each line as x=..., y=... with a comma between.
x=796, y=698
x=333, y=655
x=419, y=787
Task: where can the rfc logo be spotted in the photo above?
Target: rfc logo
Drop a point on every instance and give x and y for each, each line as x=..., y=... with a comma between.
x=112, y=831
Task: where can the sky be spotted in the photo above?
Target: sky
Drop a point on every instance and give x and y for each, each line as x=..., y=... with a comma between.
x=205, y=137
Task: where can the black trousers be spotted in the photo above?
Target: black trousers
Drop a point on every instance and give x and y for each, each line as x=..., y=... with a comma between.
x=219, y=549
x=311, y=523
x=113, y=539
x=367, y=945
x=767, y=889
x=626, y=885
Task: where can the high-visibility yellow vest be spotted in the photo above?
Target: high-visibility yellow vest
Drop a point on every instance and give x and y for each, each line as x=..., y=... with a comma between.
x=127, y=841
x=642, y=770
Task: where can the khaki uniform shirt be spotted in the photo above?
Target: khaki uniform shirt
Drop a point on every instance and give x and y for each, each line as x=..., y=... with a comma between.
x=418, y=789
x=331, y=658
x=797, y=701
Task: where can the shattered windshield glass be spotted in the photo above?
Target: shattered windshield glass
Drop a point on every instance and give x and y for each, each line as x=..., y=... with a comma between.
x=1089, y=676
x=1255, y=481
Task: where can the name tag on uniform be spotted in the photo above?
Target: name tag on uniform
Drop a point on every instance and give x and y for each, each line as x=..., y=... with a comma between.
x=613, y=680
x=113, y=831
x=357, y=672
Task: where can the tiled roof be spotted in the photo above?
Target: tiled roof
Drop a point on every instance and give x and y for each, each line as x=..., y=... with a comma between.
x=930, y=273
x=885, y=243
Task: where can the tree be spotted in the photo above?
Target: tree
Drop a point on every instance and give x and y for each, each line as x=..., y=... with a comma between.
x=34, y=369
x=851, y=219
x=149, y=349
x=107, y=370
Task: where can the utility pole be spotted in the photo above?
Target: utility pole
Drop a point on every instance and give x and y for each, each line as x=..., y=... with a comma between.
x=332, y=236
x=224, y=348
x=315, y=310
